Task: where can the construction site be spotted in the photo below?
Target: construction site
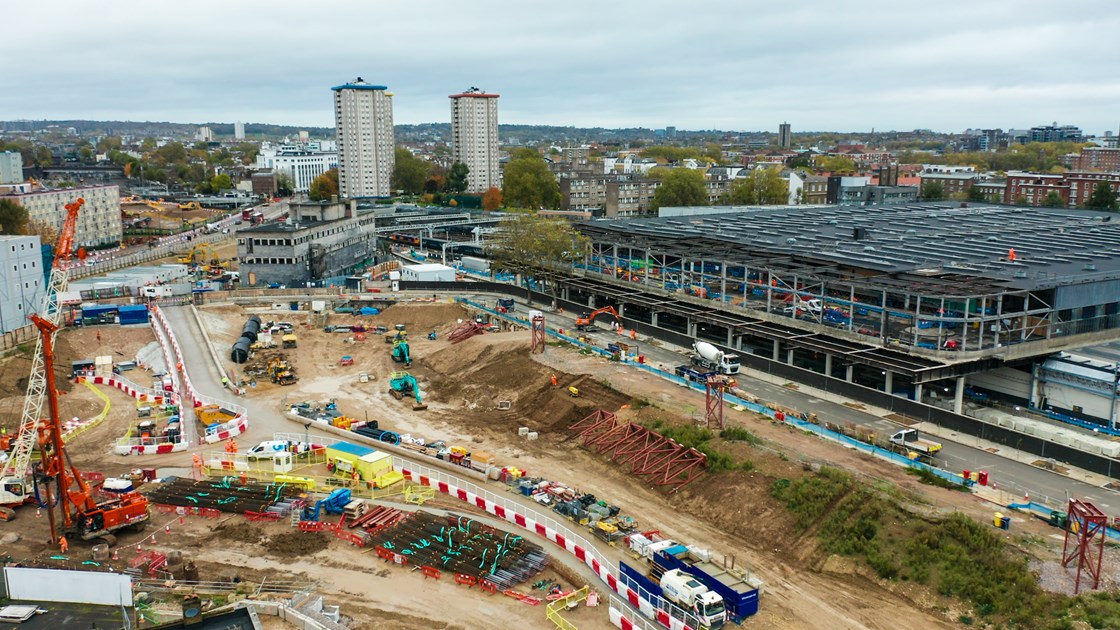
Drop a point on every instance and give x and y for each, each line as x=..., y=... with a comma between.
x=419, y=462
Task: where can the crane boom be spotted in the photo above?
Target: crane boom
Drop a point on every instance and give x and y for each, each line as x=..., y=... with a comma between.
x=17, y=469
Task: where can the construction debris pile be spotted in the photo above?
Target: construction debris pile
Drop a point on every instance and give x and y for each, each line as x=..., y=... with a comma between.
x=461, y=545
x=603, y=519
x=229, y=494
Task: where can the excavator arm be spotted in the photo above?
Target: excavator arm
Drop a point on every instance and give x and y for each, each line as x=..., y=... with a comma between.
x=606, y=310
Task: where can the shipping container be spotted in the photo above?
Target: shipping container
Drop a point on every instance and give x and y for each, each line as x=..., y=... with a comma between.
x=137, y=314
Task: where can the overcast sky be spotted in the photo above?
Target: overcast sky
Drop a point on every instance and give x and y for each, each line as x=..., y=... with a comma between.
x=734, y=65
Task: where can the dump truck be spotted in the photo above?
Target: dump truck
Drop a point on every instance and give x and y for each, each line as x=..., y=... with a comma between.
x=289, y=341
x=712, y=359
x=909, y=441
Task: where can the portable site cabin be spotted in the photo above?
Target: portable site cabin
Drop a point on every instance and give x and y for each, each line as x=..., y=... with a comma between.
x=373, y=467
x=133, y=314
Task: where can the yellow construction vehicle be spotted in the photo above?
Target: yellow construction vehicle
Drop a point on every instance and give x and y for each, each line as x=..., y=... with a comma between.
x=190, y=205
x=289, y=341
x=573, y=392
x=280, y=372
x=155, y=205
x=200, y=254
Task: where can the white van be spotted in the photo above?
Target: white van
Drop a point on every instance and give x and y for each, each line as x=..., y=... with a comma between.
x=273, y=448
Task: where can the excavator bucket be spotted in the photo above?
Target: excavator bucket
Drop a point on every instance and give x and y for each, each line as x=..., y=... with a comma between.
x=419, y=406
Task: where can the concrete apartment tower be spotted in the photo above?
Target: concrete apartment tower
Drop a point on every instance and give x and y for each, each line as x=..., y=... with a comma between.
x=239, y=130
x=474, y=137
x=785, y=137
x=363, y=116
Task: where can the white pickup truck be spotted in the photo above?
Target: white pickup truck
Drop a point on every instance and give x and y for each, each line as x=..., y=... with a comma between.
x=910, y=441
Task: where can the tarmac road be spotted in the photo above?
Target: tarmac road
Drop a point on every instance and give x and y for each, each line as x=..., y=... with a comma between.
x=962, y=452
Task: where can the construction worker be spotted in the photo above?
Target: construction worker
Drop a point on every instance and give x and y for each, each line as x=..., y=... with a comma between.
x=99, y=336
x=231, y=446
x=65, y=546
x=553, y=379
x=244, y=478
x=633, y=335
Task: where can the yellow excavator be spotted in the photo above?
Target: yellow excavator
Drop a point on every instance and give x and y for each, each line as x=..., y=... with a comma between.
x=200, y=254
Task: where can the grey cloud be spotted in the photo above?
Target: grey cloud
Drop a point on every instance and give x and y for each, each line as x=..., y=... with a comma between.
x=698, y=65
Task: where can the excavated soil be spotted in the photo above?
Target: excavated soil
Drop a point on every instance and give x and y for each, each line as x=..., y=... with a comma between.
x=297, y=544
x=238, y=530
x=476, y=374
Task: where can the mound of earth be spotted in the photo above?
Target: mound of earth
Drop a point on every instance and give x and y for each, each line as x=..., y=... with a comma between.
x=294, y=544
x=482, y=372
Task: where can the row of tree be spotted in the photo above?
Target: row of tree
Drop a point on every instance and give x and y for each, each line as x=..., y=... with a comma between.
x=687, y=187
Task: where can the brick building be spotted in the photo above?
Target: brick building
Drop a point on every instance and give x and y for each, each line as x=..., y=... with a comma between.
x=1034, y=187
x=951, y=183
x=1081, y=185
x=1099, y=159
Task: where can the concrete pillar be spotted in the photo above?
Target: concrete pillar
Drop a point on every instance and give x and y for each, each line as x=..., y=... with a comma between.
x=621, y=310
x=591, y=301
x=850, y=373
x=789, y=356
x=827, y=364
x=958, y=396
x=730, y=338
x=653, y=318
x=777, y=350
x=690, y=326
x=918, y=392
x=888, y=384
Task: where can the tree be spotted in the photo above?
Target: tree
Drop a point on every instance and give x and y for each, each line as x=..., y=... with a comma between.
x=836, y=164
x=492, y=199
x=1103, y=198
x=1053, y=200
x=975, y=194
x=457, y=178
x=48, y=234
x=532, y=243
x=284, y=185
x=933, y=191
x=528, y=183
x=13, y=218
x=409, y=172
x=763, y=186
x=324, y=186
x=221, y=182
x=681, y=187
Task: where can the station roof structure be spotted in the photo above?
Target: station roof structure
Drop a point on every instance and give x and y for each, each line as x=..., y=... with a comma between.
x=935, y=248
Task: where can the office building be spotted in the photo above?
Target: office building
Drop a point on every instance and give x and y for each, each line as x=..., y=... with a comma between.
x=22, y=282
x=363, y=115
x=99, y=222
x=204, y=134
x=785, y=137
x=239, y=130
x=321, y=240
x=300, y=162
x=474, y=137
x=1090, y=159
x=11, y=167
x=1054, y=133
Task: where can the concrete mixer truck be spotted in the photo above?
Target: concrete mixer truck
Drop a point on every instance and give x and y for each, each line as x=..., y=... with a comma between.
x=712, y=359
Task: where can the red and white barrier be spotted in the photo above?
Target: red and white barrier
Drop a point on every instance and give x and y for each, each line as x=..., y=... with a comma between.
x=234, y=427
x=545, y=526
x=143, y=394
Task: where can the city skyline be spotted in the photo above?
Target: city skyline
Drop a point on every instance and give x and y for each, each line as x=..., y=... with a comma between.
x=741, y=68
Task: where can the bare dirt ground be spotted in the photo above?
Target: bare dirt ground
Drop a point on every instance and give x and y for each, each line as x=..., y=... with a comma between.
x=729, y=513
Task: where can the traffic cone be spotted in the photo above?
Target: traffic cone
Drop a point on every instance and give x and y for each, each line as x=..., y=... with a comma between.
x=115, y=555
x=167, y=529
x=38, y=512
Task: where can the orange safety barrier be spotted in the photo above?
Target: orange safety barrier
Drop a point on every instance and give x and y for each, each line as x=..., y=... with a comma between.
x=488, y=586
x=469, y=580
x=166, y=508
x=351, y=538
x=209, y=512
x=383, y=553
x=430, y=572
